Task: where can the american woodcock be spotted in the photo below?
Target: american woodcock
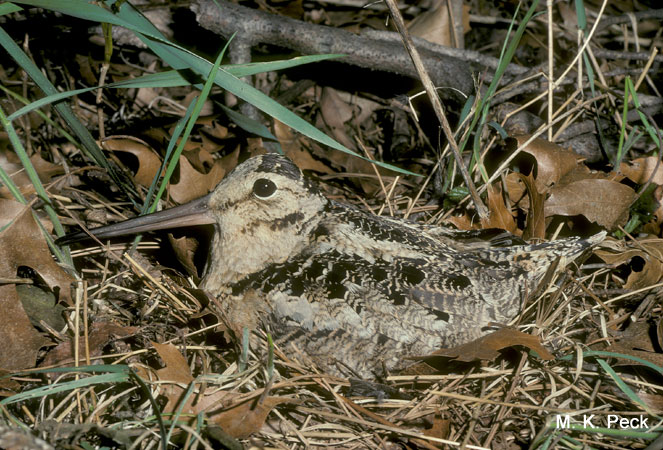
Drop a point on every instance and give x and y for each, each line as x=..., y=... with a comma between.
x=349, y=289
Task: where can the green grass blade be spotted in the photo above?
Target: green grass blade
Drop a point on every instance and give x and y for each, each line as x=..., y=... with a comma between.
x=243, y=70
x=625, y=433
x=636, y=102
x=8, y=8
x=45, y=85
x=178, y=412
x=508, y=51
x=594, y=353
x=42, y=391
x=39, y=189
x=169, y=78
x=43, y=116
x=192, y=121
x=13, y=189
x=179, y=58
x=580, y=14
x=623, y=386
x=151, y=206
x=250, y=125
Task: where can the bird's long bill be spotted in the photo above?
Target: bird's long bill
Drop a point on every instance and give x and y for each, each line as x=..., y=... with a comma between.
x=195, y=212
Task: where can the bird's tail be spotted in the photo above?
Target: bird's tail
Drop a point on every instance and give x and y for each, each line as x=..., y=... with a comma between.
x=536, y=259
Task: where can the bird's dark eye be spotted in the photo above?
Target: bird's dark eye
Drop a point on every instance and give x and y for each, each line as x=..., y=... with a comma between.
x=264, y=188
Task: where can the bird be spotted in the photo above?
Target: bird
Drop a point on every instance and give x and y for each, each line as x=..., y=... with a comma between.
x=337, y=286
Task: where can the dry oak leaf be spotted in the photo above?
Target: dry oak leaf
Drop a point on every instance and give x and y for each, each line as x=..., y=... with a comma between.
x=338, y=109
x=646, y=270
x=463, y=222
x=436, y=25
x=486, y=347
x=176, y=367
x=185, y=250
x=500, y=216
x=336, y=112
x=215, y=130
x=605, y=202
x=238, y=418
x=653, y=401
x=641, y=169
x=552, y=161
x=45, y=170
x=637, y=341
x=10, y=164
x=194, y=184
x=242, y=420
x=440, y=427
x=536, y=220
x=149, y=161
x=293, y=149
x=99, y=335
x=22, y=244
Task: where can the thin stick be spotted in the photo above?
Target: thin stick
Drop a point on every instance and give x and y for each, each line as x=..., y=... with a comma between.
x=551, y=75
x=437, y=104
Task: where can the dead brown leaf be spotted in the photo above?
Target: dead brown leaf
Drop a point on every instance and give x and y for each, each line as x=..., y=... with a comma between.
x=500, y=216
x=99, y=335
x=207, y=109
x=536, y=220
x=641, y=169
x=242, y=420
x=176, y=368
x=9, y=163
x=185, y=249
x=516, y=190
x=8, y=387
x=436, y=26
x=582, y=172
x=238, y=418
x=45, y=170
x=486, y=347
x=653, y=401
x=19, y=341
x=645, y=259
x=552, y=161
x=653, y=227
x=22, y=244
x=293, y=149
x=637, y=336
x=215, y=130
x=635, y=341
x=194, y=184
x=200, y=159
x=440, y=428
x=605, y=202
x=149, y=161
x=463, y=222
x=336, y=112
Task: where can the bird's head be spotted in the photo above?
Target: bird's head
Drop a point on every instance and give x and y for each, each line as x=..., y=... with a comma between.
x=263, y=212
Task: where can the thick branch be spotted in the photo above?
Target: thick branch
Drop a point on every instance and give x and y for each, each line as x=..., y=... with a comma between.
x=375, y=50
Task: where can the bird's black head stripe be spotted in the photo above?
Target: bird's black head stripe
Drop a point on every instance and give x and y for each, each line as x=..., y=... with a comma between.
x=272, y=163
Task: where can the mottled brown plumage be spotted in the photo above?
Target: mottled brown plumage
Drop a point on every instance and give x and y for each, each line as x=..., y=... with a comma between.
x=343, y=285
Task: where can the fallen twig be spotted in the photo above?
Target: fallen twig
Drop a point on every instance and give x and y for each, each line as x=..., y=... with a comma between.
x=374, y=50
